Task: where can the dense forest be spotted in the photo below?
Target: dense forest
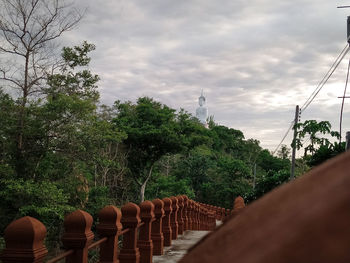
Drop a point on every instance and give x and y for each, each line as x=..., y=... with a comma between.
x=61, y=150
x=76, y=153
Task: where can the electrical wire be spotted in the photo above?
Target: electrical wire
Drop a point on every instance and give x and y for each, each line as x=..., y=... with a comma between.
x=284, y=137
x=325, y=79
x=318, y=88
x=344, y=49
x=342, y=104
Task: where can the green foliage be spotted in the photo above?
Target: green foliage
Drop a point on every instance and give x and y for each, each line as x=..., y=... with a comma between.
x=226, y=140
x=79, y=84
x=268, y=162
x=152, y=132
x=70, y=152
x=325, y=152
x=312, y=130
x=319, y=148
x=77, y=154
x=164, y=186
x=284, y=152
x=43, y=200
x=270, y=181
x=195, y=166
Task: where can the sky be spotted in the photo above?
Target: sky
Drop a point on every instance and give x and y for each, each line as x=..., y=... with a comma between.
x=255, y=60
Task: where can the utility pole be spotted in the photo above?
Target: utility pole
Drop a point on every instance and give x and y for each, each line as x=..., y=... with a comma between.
x=347, y=141
x=292, y=169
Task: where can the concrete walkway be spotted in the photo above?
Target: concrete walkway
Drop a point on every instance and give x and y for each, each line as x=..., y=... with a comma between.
x=180, y=246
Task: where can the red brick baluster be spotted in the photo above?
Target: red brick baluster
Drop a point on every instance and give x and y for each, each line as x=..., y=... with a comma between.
x=185, y=212
x=78, y=235
x=213, y=217
x=197, y=216
x=110, y=227
x=24, y=240
x=157, y=233
x=167, y=232
x=223, y=211
x=179, y=214
x=189, y=215
x=204, y=218
x=130, y=219
x=145, y=243
x=173, y=219
x=194, y=220
x=217, y=210
x=209, y=219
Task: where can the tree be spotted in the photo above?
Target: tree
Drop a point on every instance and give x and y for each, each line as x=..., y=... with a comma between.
x=315, y=138
x=312, y=130
x=28, y=29
x=268, y=162
x=152, y=132
x=284, y=152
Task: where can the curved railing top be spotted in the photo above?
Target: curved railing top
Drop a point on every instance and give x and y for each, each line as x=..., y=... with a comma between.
x=146, y=229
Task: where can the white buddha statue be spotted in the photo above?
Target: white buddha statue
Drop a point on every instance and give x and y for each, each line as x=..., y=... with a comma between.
x=202, y=111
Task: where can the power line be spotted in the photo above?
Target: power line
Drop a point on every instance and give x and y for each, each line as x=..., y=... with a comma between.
x=325, y=78
x=284, y=137
x=325, y=75
x=318, y=88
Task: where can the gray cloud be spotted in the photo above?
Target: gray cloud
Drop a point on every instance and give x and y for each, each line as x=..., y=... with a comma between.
x=254, y=59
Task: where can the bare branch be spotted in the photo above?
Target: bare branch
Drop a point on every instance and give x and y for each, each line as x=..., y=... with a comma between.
x=28, y=27
x=11, y=80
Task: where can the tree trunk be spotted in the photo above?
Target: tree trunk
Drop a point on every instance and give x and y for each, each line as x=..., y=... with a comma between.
x=21, y=116
x=142, y=192
x=143, y=186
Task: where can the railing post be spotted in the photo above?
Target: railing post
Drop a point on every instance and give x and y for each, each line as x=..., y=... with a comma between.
x=174, y=224
x=205, y=217
x=185, y=212
x=145, y=243
x=196, y=215
x=217, y=211
x=110, y=227
x=24, y=240
x=167, y=232
x=77, y=235
x=157, y=233
x=200, y=217
x=189, y=215
x=214, y=220
x=179, y=214
x=223, y=210
x=194, y=219
x=130, y=219
x=210, y=220
x=238, y=206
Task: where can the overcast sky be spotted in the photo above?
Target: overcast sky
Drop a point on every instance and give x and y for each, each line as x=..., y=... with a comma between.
x=255, y=60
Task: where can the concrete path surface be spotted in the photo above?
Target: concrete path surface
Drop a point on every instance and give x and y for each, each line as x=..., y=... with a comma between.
x=179, y=247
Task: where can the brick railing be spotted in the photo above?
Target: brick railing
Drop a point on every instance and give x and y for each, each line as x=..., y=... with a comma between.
x=146, y=229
